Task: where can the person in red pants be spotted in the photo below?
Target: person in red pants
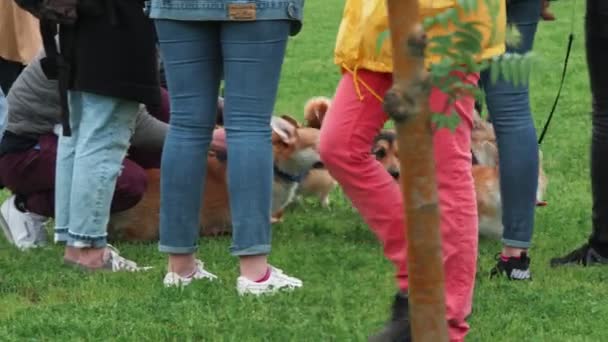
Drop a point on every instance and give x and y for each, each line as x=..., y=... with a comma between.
x=356, y=116
x=28, y=156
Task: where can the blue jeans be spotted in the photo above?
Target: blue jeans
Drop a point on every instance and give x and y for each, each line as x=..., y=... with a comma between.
x=3, y=113
x=196, y=54
x=509, y=108
x=88, y=164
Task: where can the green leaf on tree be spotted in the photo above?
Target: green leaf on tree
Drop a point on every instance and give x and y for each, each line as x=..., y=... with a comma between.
x=381, y=39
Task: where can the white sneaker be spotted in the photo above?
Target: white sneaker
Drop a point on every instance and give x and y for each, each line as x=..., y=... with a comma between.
x=174, y=279
x=117, y=263
x=113, y=262
x=24, y=230
x=276, y=282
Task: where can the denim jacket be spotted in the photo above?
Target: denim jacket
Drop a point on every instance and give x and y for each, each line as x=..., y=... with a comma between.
x=229, y=10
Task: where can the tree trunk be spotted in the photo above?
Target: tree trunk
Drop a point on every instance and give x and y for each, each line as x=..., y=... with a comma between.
x=407, y=104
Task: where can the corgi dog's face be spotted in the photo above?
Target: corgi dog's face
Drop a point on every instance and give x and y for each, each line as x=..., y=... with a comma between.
x=295, y=148
x=385, y=150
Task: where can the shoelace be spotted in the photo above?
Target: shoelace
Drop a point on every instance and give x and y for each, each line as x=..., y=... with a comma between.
x=120, y=263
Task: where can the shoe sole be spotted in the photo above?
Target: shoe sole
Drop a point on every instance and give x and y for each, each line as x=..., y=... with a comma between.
x=262, y=292
x=6, y=230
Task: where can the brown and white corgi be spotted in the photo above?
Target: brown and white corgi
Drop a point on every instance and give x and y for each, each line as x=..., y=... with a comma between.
x=487, y=178
x=295, y=152
x=485, y=173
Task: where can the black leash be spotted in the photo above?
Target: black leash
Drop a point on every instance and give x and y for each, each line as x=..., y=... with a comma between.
x=559, y=91
x=561, y=83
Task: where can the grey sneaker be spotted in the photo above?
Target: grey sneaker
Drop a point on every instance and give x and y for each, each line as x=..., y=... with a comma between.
x=22, y=229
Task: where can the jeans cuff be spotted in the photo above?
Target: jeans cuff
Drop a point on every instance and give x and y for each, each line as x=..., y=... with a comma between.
x=177, y=250
x=86, y=241
x=516, y=243
x=253, y=250
x=61, y=234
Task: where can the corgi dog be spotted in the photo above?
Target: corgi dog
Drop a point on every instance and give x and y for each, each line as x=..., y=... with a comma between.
x=386, y=151
x=295, y=153
x=487, y=178
x=485, y=172
x=318, y=182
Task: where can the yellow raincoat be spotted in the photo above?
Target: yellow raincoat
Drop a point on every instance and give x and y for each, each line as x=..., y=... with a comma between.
x=363, y=22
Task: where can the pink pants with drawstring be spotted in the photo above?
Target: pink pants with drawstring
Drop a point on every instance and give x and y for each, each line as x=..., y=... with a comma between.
x=356, y=116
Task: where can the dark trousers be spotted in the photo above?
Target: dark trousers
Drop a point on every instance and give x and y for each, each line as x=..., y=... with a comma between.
x=31, y=174
x=596, y=32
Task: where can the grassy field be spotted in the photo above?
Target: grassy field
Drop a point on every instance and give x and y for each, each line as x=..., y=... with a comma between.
x=348, y=284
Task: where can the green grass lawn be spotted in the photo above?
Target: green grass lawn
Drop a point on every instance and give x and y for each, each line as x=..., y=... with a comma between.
x=348, y=284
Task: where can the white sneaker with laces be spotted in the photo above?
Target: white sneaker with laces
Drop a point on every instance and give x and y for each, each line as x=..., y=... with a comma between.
x=113, y=262
x=276, y=282
x=117, y=263
x=22, y=229
x=173, y=279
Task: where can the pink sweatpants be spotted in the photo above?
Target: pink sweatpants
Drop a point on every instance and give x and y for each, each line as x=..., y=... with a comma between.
x=346, y=140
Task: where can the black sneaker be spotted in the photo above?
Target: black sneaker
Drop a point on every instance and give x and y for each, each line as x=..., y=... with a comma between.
x=584, y=255
x=514, y=268
x=398, y=328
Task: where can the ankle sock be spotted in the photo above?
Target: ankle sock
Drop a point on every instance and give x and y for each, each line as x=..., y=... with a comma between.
x=506, y=258
x=265, y=277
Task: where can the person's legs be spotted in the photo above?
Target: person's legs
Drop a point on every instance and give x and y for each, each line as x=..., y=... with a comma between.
x=105, y=128
x=458, y=208
x=596, y=31
x=346, y=138
x=253, y=56
x=64, y=169
x=21, y=226
x=31, y=176
x=104, y=134
x=509, y=109
x=192, y=60
x=597, y=55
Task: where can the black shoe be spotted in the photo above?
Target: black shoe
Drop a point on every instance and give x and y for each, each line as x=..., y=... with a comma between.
x=398, y=328
x=514, y=268
x=584, y=255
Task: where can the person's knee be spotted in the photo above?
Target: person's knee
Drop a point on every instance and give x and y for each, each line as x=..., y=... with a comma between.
x=333, y=150
x=130, y=187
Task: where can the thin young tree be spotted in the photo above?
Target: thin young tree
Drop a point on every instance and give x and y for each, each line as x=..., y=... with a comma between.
x=406, y=103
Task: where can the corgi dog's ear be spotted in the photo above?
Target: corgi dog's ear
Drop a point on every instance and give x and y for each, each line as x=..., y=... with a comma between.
x=291, y=120
x=284, y=130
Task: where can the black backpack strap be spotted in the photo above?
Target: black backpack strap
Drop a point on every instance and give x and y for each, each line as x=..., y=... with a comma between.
x=56, y=66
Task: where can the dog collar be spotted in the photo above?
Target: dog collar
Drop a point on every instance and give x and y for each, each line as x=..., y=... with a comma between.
x=287, y=177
